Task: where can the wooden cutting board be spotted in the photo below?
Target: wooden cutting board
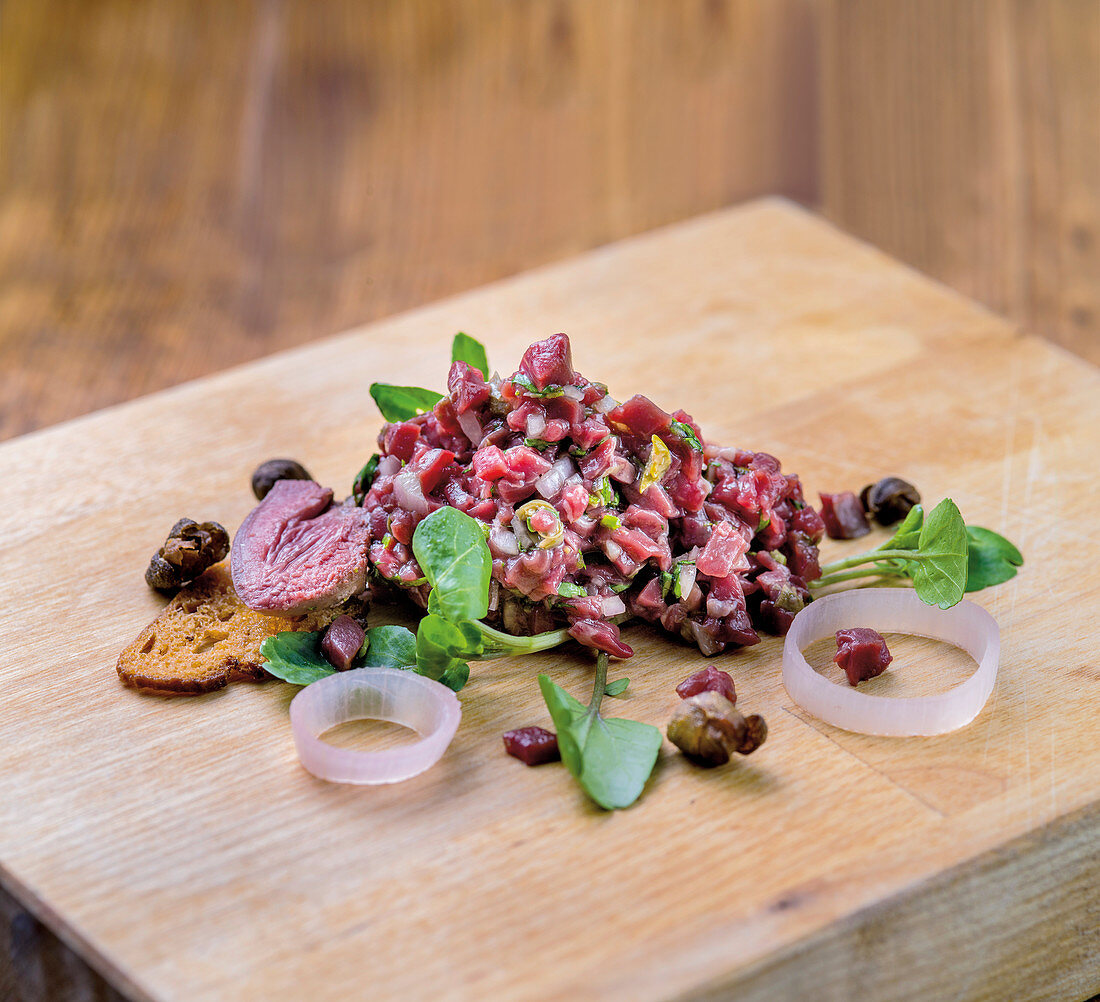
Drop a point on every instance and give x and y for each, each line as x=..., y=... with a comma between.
x=181, y=849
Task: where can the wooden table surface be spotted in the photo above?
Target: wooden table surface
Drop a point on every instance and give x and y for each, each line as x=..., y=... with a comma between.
x=179, y=848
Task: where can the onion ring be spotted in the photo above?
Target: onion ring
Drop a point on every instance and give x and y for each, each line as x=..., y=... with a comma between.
x=393, y=694
x=966, y=626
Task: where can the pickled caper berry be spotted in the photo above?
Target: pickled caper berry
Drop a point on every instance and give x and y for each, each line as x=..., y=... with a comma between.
x=889, y=500
x=191, y=547
x=276, y=469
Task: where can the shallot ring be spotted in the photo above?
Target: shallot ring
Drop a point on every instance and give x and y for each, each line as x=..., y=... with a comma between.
x=392, y=694
x=966, y=626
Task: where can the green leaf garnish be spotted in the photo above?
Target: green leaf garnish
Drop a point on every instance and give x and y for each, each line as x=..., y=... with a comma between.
x=940, y=575
x=940, y=554
x=611, y=758
x=991, y=559
x=907, y=535
x=295, y=657
x=616, y=688
x=569, y=590
x=400, y=403
x=450, y=547
x=470, y=350
x=389, y=647
x=537, y=443
x=441, y=647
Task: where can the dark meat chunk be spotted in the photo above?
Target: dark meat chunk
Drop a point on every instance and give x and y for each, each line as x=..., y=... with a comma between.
x=532, y=745
x=549, y=363
x=710, y=679
x=843, y=515
x=342, y=641
x=862, y=653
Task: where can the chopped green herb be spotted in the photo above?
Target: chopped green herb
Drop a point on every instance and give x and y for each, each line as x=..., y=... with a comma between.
x=522, y=380
x=537, y=443
x=687, y=433
x=605, y=492
x=569, y=590
x=610, y=521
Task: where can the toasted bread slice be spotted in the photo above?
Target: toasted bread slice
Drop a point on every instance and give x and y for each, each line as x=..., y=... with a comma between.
x=207, y=636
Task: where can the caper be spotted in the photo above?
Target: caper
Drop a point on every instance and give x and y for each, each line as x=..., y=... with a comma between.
x=276, y=469
x=889, y=500
x=191, y=547
x=708, y=728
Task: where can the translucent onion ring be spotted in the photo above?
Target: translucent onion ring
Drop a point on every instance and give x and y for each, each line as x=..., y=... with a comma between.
x=401, y=697
x=894, y=610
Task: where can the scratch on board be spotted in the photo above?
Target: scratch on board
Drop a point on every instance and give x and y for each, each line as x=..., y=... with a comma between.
x=889, y=779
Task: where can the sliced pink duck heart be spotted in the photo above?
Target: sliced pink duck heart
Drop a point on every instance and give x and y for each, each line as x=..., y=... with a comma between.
x=296, y=552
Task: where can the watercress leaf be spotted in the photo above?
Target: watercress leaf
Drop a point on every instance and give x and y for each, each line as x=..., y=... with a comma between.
x=475, y=647
x=940, y=575
x=400, y=403
x=296, y=657
x=451, y=550
x=611, y=759
x=571, y=721
x=438, y=643
x=616, y=688
x=470, y=350
x=618, y=757
x=907, y=535
x=456, y=676
x=991, y=558
x=390, y=647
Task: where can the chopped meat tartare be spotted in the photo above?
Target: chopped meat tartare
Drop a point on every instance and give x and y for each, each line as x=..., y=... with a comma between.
x=595, y=511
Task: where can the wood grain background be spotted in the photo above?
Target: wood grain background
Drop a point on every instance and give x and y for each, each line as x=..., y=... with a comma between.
x=186, y=185
x=964, y=138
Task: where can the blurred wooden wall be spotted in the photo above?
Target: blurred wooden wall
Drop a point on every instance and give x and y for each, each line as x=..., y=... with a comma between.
x=187, y=185
x=964, y=138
